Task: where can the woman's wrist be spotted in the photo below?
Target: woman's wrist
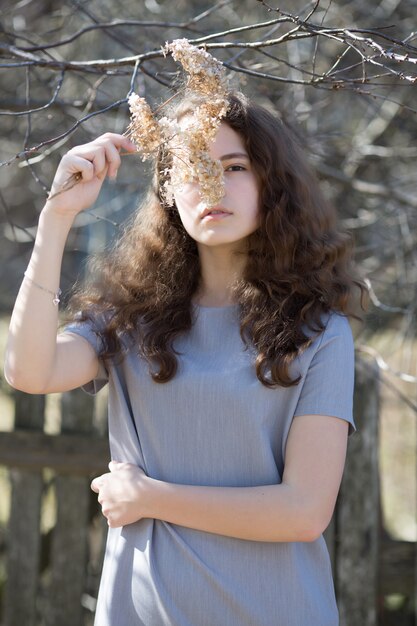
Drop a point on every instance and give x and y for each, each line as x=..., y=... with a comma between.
x=153, y=498
x=51, y=236
x=50, y=217
x=53, y=230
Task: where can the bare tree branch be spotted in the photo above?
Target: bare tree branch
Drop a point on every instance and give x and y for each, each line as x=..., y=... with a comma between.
x=70, y=130
x=187, y=25
x=44, y=106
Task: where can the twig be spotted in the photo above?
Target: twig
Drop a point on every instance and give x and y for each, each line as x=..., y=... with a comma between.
x=187, y=25
x=68, y=184
x=44, y=106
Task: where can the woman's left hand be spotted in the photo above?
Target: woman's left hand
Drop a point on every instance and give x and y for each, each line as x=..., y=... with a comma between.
x=122, y=493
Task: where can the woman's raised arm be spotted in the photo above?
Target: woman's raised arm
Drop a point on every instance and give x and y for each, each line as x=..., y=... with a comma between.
x=36, y=362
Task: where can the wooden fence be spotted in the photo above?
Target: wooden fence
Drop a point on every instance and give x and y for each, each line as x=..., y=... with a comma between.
x=52, y=577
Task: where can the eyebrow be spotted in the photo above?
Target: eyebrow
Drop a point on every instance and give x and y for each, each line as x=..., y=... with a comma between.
x=234, y=155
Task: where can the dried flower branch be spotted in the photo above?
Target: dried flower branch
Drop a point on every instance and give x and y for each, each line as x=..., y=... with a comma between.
x=143, y=129
x=188, y=142
x=206, y=75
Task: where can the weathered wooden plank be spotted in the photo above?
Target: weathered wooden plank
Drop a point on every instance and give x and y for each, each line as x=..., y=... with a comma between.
x=23, y=539
x=70, y=537
x=66, y=453
x=358, y=512
x=397, y=567
x=68, y=552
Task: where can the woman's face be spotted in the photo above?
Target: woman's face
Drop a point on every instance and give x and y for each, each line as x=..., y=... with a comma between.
x=237, y=214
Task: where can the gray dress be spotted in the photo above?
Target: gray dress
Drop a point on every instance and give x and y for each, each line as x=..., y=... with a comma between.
x=214, y=423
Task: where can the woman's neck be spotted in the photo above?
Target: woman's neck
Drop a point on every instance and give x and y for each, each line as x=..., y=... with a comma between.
x=220, y=269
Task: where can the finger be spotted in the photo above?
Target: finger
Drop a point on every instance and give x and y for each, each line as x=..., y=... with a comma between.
x=115, y=465
x=100, y=162
x=93, y=152
x=76, y=164
x=121, y=142
x=96, y=484
x=103, y=153
x=113, y=159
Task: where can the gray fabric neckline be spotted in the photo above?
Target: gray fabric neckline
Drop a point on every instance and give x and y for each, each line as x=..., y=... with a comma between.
x=228, y=307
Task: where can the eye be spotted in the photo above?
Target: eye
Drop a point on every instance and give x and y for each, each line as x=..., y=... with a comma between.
x=235, y=168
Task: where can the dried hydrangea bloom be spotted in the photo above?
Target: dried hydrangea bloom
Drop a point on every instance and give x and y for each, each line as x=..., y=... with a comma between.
x=192, y=160
x=210, y=178
x=206, y=75
x=169, y=127
x=188, y=143
x=143, y=130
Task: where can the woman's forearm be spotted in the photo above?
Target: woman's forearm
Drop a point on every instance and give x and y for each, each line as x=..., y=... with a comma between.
x=266, y=513
x=33, y=327
x=298, y=509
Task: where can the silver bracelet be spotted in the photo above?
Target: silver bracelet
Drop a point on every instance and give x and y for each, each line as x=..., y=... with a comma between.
x=55, y=300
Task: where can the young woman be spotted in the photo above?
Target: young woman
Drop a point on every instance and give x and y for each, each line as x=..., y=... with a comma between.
x=222, y=333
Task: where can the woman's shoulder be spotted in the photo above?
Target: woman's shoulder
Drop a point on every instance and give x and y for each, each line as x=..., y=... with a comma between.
x=336, y=339
x=337, y=323
x=336, y=334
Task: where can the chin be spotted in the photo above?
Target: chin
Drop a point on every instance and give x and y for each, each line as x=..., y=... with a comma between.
x=221, y=242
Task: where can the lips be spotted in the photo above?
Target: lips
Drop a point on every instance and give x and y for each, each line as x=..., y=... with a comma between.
x=215, y=211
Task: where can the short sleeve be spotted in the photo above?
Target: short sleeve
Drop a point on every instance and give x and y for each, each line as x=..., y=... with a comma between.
x=327, y=385
x=89, y=330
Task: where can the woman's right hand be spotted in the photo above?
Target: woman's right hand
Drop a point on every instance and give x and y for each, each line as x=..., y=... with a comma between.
x=92, y=161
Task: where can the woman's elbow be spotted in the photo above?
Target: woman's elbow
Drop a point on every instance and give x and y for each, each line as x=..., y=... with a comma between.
x=309, y=534
x=314, y=525
x=20, y=382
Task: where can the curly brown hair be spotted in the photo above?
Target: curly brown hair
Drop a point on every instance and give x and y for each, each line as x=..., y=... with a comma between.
x=298, y=264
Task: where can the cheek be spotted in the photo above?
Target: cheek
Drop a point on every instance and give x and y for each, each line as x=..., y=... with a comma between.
x=250, y=197
x=187, y=199
x=186, y=214
x=183, y=209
